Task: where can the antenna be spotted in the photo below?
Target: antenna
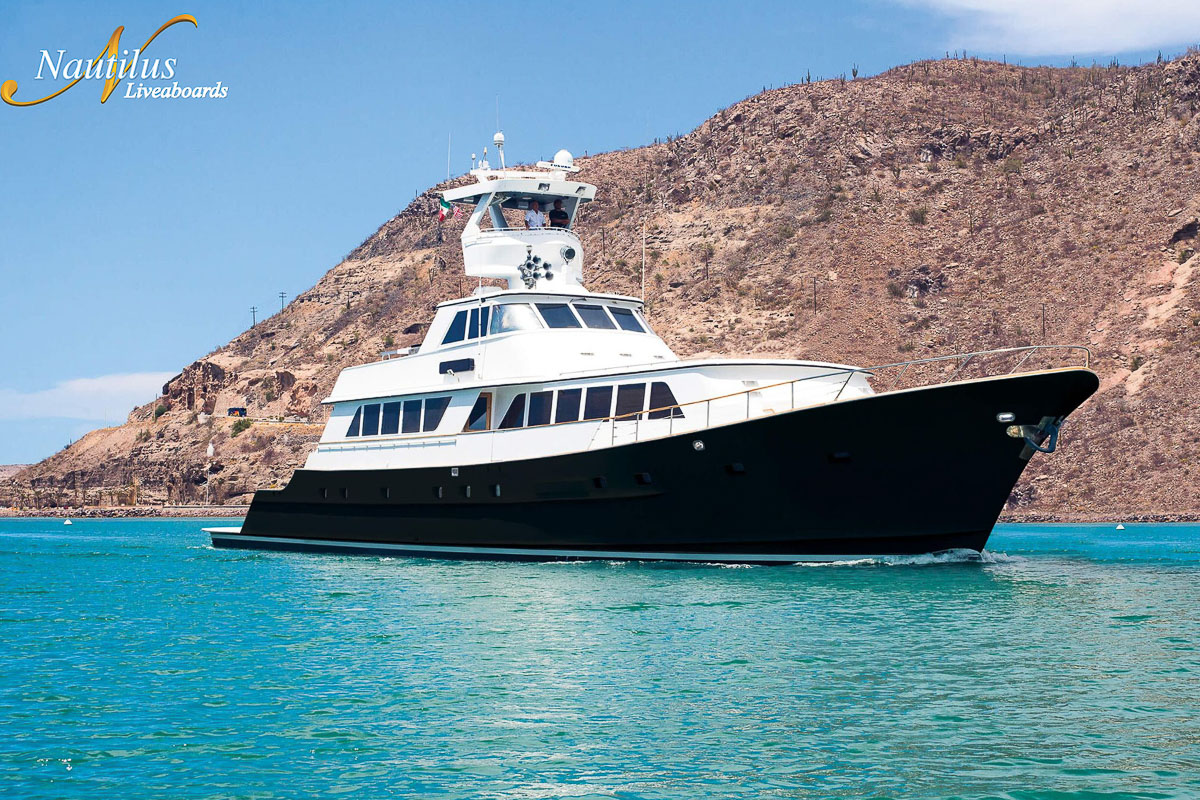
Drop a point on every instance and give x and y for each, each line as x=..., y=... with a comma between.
x=643, y=265
x=498, y=140
x=472, y=161
x=497, y=112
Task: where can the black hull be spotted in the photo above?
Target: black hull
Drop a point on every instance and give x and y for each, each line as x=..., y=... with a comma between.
x=894, y=474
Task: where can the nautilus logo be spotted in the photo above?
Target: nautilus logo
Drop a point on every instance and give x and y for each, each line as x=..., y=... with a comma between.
x=145, y=77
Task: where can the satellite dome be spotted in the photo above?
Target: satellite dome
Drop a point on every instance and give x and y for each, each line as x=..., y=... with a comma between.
x=498, y=139
x=563, y=158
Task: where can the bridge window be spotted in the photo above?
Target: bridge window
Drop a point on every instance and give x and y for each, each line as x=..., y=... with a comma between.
x=391, y=419
x=626, y=319
x=662, y=402
x=478, y=326
x=458, y=328
x=594, y=316
x=355, y=423
x=558, y=315
x=514, y=317
x=435, y=408
x=568, y=405
x=598, y=402
x=539, y=408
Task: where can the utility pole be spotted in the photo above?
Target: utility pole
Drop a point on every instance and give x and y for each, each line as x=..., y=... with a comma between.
x=281, y=296
x=253, y=316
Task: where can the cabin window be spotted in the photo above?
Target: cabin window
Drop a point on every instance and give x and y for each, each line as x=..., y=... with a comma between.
x=594, y=316
x=435, y=409
x=598, y=402
x=355, y=423
x=631, y=399
x=626, y=319
x=458, y=328
x=391, y=419
x=412, y=417
x=539, y=408
x=514, y=317
x=481, y=412
x=568, y=405
x=370, y=419
x=515, y=416
x=660, y=398
x=558, y=315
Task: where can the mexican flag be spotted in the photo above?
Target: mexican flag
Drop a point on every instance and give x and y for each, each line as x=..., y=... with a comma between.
x=446, y=210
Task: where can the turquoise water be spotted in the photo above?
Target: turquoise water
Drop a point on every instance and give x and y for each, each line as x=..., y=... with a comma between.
x=135, y=661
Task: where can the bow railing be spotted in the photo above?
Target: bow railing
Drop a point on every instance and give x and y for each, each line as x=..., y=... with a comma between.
x=830, y=387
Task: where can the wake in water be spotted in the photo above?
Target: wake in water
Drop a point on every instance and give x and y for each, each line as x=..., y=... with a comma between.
x=922, y=560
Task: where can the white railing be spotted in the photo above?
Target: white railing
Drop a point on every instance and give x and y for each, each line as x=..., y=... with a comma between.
x=761, y=401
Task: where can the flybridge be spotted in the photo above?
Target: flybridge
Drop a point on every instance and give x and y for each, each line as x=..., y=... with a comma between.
x=534, y=246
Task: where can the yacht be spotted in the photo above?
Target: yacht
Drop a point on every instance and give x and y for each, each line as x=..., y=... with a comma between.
x=543, y=421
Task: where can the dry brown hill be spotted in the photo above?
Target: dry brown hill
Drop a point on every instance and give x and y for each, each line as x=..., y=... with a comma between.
x=937, y=206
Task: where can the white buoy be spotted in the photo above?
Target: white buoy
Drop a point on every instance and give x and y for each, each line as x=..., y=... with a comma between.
x=67, y=522
x=1120, y=527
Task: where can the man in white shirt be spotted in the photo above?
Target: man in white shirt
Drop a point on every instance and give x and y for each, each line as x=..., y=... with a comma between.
x=534, y=218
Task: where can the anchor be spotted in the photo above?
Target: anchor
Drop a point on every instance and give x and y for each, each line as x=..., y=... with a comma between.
x=1050, y=428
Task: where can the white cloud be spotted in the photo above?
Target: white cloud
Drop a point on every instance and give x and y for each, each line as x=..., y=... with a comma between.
x=109, y=396
x=1068, y=27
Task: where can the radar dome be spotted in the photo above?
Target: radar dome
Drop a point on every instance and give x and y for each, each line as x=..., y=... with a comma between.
x=563, y=158
x=498, y=139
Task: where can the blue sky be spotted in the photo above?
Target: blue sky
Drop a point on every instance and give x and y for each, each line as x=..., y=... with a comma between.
x=136, y=235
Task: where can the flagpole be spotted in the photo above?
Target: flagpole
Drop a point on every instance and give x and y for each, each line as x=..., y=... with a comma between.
x=448, y=135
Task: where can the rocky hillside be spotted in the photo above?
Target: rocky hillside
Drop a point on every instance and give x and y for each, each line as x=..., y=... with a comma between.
x=933, y=209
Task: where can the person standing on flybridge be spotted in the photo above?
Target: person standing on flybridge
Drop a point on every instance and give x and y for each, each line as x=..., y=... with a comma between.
x=534, y=218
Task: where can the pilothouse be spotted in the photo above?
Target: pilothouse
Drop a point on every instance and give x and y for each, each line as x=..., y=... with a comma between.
x=544, y=421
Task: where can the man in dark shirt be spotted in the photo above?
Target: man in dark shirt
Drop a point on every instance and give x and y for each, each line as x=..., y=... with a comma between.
x=558, y=217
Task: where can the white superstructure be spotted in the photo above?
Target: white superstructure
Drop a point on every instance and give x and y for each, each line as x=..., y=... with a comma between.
x=544, y=366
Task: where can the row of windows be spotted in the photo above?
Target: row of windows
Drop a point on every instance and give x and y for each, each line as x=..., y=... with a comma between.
x=525, y=410
x=382, y=419
x=565, y=405
x=477, y=322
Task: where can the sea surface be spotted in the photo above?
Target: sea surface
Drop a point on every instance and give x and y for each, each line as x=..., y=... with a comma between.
x=138, y=662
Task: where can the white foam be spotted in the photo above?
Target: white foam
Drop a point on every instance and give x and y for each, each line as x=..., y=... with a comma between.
x=858, y=562
x=961, y=556
x=988, y=557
